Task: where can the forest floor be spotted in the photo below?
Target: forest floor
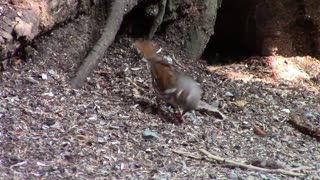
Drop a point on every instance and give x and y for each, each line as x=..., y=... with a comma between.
x=49, y=130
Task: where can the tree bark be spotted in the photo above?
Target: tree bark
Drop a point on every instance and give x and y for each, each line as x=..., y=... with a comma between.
x=199, y=33
x=109, y=32
x=22, y=21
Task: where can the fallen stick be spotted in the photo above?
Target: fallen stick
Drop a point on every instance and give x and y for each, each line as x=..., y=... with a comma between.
x=135, y=84
x=232, y=163
x=205, y=106
x=238, y=164
x=187, y=154
x=175, y=60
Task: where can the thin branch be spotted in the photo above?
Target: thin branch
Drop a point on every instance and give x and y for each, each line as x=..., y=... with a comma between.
x=205, y=106
x=302, y=168
x=135, y=84
x=211, y=158
x=238, y=164
x=175, y=60
x=187, y=154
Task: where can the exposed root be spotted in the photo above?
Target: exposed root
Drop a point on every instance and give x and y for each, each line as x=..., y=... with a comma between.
x=110, y=30
x=158, y=19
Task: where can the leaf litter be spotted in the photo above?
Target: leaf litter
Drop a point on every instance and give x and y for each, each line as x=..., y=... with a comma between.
x=51, y=131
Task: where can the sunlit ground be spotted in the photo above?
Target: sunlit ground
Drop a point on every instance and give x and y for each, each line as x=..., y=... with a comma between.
x=298, y=71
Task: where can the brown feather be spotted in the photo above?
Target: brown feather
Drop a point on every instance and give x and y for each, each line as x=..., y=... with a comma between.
x=169, y=83
x=147, y=48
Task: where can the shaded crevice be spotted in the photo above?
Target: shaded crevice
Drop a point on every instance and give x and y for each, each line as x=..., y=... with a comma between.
x=138, y=21
x=234, y=33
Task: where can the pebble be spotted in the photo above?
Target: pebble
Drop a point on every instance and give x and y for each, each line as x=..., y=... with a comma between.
x=263, y=176
x=101, y=140
x=310, y=116
x=286, y=111
x=44, y=76
x=52, y=72
x=149, y=134
x=228, y=94
x=32, y=80
x=215, y=104
x=302, y=150
x=232, y=175
x=102, y=123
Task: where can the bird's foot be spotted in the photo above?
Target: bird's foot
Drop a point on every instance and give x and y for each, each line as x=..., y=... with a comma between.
x=181, y=118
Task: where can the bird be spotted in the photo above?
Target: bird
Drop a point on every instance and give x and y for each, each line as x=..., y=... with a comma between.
x=169, y=82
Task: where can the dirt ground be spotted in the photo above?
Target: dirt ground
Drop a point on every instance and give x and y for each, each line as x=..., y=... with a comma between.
x=50, y=131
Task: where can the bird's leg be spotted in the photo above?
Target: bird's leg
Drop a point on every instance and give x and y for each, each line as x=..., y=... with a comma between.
x=180, y=116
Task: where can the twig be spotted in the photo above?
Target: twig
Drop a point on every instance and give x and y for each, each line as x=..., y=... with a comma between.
x=232, y=163
x=135, y=84
x=302, y=168
x=238, y=164
x=205, y=106
x=175, y=61
x=187, y=154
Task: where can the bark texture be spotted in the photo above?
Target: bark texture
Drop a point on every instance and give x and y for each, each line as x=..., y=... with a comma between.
x=109, y=32
x=199, y=32
x=22, y=21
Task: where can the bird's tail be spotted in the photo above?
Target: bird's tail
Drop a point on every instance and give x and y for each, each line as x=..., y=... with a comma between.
x=146, y=48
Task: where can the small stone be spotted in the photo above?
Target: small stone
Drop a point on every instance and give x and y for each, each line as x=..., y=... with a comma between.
x=228, y=94
x=149, y=134
x=93, y=118
x=310, y=116
x=50, y=94
x=302, y=150
x=215, y=104
x=44, y=76
x=275, y=117
x=286, y=111
x=32, y=80
x=232, y=175
x=246, y=125
x=41, y=164
x=101, y=140
x=102, y=123
x=52, y=72
x=100, y=133
x=263, y=176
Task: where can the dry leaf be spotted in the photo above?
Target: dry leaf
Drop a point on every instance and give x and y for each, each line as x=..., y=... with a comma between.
x=240, y=103
x=258, y=131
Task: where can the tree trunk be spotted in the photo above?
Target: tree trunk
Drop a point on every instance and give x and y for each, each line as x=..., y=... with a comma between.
x=282, y=27
x=22, y=21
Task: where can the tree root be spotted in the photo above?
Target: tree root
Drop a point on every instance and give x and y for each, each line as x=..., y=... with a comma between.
x=210, y=157
x=303, y=125
x=110, y=30
x=158, y=19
